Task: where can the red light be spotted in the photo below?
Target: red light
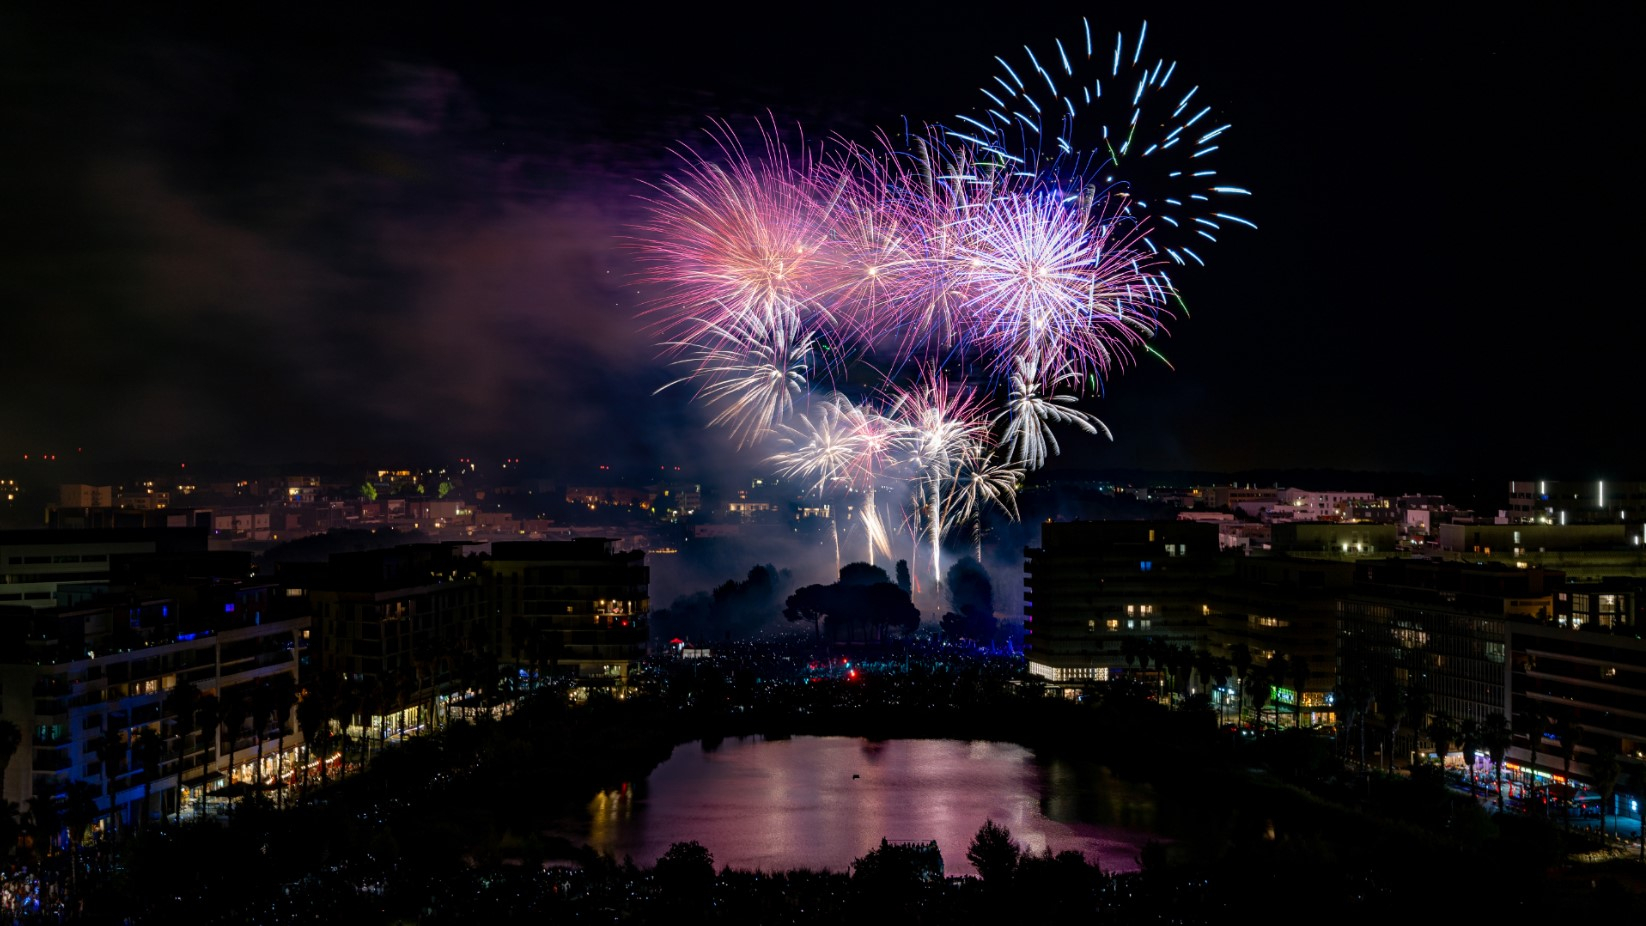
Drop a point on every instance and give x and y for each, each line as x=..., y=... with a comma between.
x=852, y=674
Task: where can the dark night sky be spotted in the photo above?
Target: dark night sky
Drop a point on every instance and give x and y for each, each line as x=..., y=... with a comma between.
x=384, y=238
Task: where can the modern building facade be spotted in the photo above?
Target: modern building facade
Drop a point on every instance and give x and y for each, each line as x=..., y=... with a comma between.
x=1092, y=585
x=576, y=607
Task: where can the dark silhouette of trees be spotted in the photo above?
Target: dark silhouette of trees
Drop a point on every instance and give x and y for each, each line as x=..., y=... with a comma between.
x=110, y=748
x=1605, y=770
x=1391, y=703
x=862, y=600
x=78, y=812
x=734, y=610
x=1468, y=735
x=810, y=603
x=1240, y=659
x=858, y=574
x=903, y=580
x=11, y=737
x=994, y=855
x=971, y=603
x=147, y=750
x=1300, y=670
x=1535, y=725
x=1495, y=737
x=1443, y=733
x=1417, y=711
x=315, y=711
x=282, y=697
x=685, y=875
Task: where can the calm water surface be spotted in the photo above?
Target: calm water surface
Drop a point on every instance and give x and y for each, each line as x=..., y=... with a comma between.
x=821, y=802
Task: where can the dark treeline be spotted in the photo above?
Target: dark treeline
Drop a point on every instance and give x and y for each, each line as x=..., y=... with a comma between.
x=446, y=829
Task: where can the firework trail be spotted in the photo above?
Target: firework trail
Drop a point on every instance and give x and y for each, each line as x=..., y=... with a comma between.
x=942, y=427
x=1112, y=114
x=928, y=312
x=752, y=367
x=1029, y=414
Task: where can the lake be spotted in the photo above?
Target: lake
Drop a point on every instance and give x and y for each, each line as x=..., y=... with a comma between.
x=821, y=802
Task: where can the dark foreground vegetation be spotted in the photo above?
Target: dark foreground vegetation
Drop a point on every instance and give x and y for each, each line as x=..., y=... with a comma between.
x=445, y=829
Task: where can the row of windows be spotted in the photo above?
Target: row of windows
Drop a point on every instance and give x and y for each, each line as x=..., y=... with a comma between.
x=58, y=558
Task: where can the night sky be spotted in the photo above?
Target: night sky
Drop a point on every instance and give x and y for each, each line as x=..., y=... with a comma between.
x=398, y=238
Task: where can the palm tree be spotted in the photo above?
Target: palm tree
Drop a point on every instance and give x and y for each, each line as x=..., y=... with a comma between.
x=1605, y=770
x=1534, y=723
x=79, y=812
x=1469, y=738
x=282, y=696
x=1569, y=734
x=110, y=748
x=146, y=751
x=1211, y=670
x=1278, y=667
x=1240, y=659
x=1417, y=711
x=1301, y=671
x=235, y=710
x=11, y=831
x=11, y=738
x=45, y=815
x=1443, y=732
x=1391, y=703
x=1257, y=684
x=208, y=716
x=1495, y=736
x=180, y=705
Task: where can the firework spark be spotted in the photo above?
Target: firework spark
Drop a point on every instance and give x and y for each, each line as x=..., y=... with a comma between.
x=928, y=312
x=1110, y=113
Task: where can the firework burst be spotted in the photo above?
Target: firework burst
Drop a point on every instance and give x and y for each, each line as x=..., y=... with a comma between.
x=1112, y=115
x=929, y=312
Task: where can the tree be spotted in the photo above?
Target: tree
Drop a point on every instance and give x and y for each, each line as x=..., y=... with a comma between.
x=11, y=831
x=1442, y=732
x=1301, y=671
x=886, y=606
x=1391, y=703
x=1605, y=770
x=1569, y=734
x=1417, y=711
x=180, y=704
x=314, y=712
x=1212, y=671
x=810, y=603
x=110, y=748
x=685, y=874
x=968, y=588
x=862, y=574
x=79, y=812
x=1535, y=724
x=1257, y=686
x=1240, y=659
x=1468, y=734
x=1495, y=737
x=147, y=751
x=259, y=707
x=234, y=711
x=282, y=697
x=208, y=716
x=994, y=855
x=11, y=737
x=903, y=580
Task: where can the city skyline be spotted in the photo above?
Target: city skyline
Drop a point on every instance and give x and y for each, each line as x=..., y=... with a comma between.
x=279, y=242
